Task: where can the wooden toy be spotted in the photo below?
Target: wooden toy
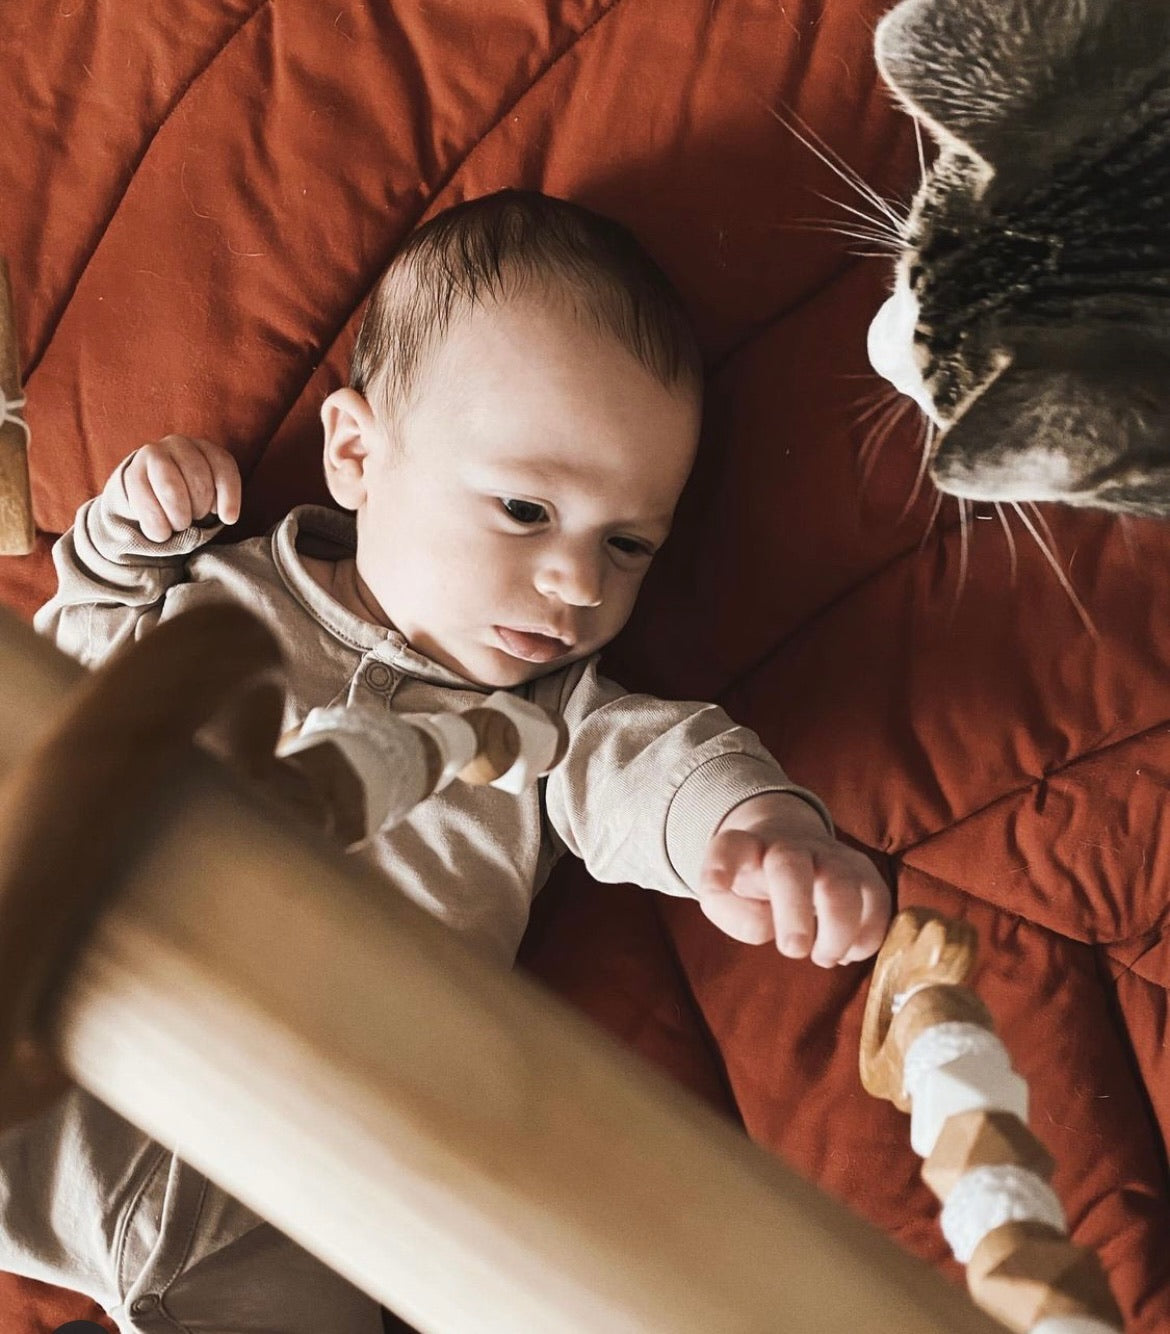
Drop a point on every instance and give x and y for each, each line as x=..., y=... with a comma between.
x=929, y=1047
x=16, y=525
x=446, y=1134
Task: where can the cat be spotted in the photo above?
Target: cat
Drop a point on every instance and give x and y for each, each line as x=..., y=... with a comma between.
x=1030, y=317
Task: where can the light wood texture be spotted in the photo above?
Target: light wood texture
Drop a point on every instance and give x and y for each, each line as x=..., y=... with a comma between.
x=499, y=744
x=1024, y=1272
x=921, y=953
x=450, y=1137
x=1020, y=1272
x=16, y=525
x=983, y=1139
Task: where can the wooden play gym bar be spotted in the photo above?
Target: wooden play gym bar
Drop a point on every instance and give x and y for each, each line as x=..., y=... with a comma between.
x=181, y=935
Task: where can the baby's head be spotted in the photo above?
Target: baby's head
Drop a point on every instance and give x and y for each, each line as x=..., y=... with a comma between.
x=522, y=417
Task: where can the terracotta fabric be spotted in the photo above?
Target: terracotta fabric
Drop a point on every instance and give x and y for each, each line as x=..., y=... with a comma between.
x=197, y=198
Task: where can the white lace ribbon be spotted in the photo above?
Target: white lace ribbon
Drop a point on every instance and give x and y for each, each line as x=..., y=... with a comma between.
x=988, y=1197
x=12, y=410
x=942, y=1043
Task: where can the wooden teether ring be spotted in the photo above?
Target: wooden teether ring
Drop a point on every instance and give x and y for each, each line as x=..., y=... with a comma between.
x=921, y=950
x=72, y=810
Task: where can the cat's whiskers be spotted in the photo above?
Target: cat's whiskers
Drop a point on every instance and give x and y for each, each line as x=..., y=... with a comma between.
x=1042, y=524
x=1050, y=557
x=835, y=227
x=885, y=425
x=964, y=546
x=926, y=435
x=880, y=396
x=1009, y=537
x=921, y=148
x=1122, y=525
x=852, y=230
x=935, y=511
x=879, y=226
x=837, y=164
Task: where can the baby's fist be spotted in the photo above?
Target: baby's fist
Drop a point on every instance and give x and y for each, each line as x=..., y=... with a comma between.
x=774, y=872
x=177, y=481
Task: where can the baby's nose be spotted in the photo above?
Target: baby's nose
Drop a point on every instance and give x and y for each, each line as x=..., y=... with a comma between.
x=574, y=578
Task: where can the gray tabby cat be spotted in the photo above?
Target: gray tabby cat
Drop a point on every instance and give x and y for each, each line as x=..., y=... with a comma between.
x=1031, y=313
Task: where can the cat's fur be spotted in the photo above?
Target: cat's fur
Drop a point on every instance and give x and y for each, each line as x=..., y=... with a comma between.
x=1038, y=247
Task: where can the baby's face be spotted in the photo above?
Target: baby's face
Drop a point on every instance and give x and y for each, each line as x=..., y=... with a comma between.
x=535, y=473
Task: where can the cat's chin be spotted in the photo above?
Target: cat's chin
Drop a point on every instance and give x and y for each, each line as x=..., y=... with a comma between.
x=1011, y=478
x=1144, y=497
x=1150, y=500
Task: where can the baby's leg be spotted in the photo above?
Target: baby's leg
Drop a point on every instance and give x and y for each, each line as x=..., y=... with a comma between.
x=89, y=1202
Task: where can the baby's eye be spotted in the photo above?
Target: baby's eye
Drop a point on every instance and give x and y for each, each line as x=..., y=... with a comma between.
x=524, y=511
x=631, y=546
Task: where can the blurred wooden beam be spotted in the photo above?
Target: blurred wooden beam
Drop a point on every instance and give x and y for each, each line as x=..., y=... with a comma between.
x=452, y=1138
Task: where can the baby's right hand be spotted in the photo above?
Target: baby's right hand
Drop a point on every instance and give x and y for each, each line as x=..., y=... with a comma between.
x=177, y=481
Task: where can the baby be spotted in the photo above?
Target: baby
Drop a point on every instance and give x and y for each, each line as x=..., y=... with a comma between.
x=522, y=417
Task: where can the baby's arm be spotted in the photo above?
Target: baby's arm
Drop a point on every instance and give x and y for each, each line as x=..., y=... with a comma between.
x=128, y=546
x=773, y=871
x=675, y=796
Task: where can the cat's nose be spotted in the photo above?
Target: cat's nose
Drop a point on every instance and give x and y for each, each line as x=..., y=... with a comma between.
x=890, y=343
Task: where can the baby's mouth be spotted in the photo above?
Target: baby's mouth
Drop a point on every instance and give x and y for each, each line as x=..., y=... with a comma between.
x=531, y=646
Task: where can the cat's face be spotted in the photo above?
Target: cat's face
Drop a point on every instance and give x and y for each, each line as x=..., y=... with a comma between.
x=1031, y=312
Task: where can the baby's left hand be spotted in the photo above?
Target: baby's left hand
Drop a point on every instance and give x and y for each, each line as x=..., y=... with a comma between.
x=774, y=872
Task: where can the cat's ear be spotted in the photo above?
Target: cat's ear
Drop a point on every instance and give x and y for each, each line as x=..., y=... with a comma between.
x=1013, y=80
x=1084, y=419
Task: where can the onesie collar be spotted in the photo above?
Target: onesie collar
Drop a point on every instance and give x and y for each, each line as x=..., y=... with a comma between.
x=333, y=533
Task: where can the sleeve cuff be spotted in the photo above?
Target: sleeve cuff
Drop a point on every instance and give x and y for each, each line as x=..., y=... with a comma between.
x=709, y=794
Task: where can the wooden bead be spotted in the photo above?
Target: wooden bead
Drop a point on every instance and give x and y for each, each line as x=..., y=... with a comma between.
x=499, y=744
x=982, y=1139
x=540, y=740
x=1024, y=1272
x=932, y=1005
x=16, y=526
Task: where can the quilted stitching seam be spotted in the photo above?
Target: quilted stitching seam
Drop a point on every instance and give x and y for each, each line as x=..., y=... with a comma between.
x=54, y=320
x=456, y=165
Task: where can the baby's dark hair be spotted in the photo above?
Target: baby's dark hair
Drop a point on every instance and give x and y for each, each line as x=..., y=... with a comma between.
x=504, y=245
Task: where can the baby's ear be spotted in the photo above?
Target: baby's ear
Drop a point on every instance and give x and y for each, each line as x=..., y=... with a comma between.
x=349, y=424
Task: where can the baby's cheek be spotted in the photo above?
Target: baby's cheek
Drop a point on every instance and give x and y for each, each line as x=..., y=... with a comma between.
x=626, y=599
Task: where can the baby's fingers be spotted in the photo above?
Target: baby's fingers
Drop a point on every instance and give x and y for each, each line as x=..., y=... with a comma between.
x=838, y=902
x=731, y=855
x=875, y=919
x=172, y=479
x=225, y=478
x=789, y=876
x=746, y=920
x=145, y=506
x=730, y=889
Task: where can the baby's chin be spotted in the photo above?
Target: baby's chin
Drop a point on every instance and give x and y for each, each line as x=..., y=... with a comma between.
x=497, y=670
x=509, y=676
